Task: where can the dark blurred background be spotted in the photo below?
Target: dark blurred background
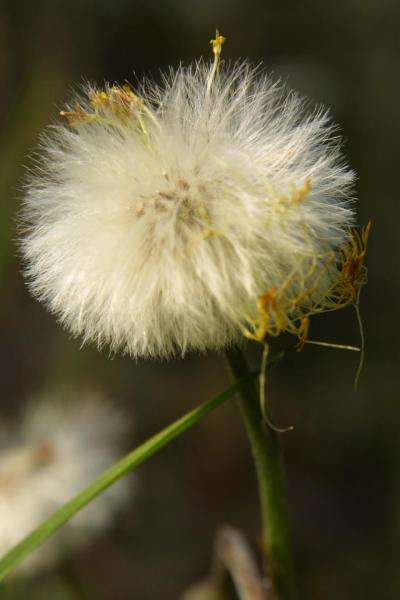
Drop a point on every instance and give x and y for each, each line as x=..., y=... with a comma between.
x=343, y=456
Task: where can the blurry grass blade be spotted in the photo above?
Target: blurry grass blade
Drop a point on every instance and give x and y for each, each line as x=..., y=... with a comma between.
x=129, y=462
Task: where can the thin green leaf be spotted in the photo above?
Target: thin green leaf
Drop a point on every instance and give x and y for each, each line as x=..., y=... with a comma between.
x=129, y=462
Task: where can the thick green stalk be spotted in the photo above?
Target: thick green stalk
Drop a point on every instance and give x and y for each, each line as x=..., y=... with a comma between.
x=268, y=460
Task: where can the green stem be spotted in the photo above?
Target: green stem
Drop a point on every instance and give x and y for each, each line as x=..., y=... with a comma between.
x=268, y=460
x=130, y=461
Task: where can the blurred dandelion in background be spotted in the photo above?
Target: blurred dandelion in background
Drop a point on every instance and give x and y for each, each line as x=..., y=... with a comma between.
x=60, y=444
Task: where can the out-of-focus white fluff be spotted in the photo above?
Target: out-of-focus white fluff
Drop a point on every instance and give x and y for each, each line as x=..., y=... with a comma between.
x=59, y=447
x=160, y=238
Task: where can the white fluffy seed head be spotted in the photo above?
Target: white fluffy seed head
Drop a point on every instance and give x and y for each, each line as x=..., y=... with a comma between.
x=156, y=222
x=60, y=445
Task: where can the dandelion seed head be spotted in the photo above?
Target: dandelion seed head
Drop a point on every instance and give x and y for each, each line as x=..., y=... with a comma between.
x=157, y=219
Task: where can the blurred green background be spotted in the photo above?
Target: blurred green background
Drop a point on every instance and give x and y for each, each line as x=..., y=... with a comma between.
x=343, y=456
